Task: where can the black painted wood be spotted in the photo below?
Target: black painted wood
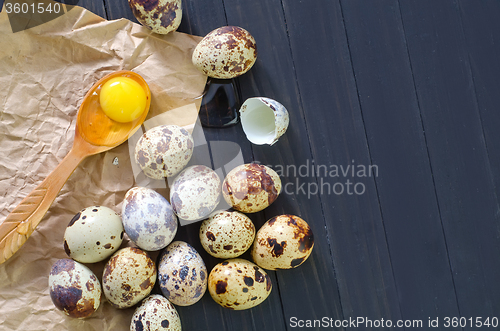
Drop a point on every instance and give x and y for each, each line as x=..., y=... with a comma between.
x=337, y=133
x=455, y=139
x=398, y=147
x=310, y=291
x=481, y=25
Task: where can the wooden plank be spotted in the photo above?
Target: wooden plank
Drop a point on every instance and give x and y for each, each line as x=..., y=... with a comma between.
x=405, y=184
x=459, y=159
x=199, y=19
x=481, y=27
x=309, y=291
x=328, y=101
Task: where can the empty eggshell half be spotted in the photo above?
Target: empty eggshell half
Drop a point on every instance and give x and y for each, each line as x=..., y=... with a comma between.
x=263, y=120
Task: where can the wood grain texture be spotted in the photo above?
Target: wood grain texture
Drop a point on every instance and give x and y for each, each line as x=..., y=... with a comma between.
x=337, y=134
x=398, y=146
x=459, y=159
x=311, y=290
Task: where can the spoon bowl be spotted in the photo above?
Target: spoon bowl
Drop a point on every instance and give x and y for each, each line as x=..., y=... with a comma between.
x=95, y=133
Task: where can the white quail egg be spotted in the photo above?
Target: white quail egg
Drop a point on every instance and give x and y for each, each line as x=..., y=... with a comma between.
x=182, y=274
x=251, y=187
x=164, y=150
x=155, y=313
x=74, y=289
x=195, y=193
x=227, y=234
x=226, y=52
x=93, y=234
x=148, y=219
x=238, y=284
x=129, y=276
x=283, y=242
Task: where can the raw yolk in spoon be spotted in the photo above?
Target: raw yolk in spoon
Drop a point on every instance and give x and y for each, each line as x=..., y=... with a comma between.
x=122, y=99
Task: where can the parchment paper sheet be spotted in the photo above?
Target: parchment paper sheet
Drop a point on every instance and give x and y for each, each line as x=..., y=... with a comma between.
x=44, y=74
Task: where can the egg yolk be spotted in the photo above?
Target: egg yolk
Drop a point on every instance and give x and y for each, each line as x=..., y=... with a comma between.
x=122, y=99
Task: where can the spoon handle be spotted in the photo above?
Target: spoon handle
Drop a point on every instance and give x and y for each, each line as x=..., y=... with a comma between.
x=22, y=221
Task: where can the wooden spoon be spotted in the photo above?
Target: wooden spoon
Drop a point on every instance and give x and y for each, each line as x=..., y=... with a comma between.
x=94, y=133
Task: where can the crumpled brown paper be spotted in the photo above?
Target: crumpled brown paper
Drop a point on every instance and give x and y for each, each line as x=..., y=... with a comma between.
x=44, y=74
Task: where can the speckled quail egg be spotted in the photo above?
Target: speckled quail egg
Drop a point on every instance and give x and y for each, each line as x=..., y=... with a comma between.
x=129, y=276
x=182, y=274
x=283, y=242
x=164, y=151
x=155, y=313
x=161, y=16
x=251, y=187
x=227, y=234
x=93, y=234
x=148, y=219
x=195, y=193
x=74, y=288
x=226, y=52
x=238, y=284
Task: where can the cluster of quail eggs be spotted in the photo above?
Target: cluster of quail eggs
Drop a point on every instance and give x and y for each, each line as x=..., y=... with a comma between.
x=150, y=221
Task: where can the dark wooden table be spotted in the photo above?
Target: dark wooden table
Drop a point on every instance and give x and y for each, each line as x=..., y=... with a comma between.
x=410, y=88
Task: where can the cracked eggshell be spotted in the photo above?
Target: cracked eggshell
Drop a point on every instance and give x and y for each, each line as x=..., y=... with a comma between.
x=155, y=313
x=263, y=120
x=161, y=16
x=148, y=219
x=226, y=52
x=283, y=242
x=227, y=234
x=164, y=151
x=239, y=284
x=195, y=193
x=74, y=289
x=182, y=274
x=93, y=234
x=251, y=187
x=128, y=277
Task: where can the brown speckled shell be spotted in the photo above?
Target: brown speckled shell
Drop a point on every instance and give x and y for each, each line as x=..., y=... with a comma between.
x=164, y=151
x=251, y=187
x=148, y=218
x=239, y=284
x=195, y=193
x=227, y=234
x=129, y=276
x=93, y=234
x=161, y=16
x=283, y=242
x=155, y=313
x=226, y=52
x=182, y=274
x=74, y=289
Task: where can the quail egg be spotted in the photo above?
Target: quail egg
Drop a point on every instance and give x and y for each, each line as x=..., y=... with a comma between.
x=164, y=151
x=227, y=234
x=93, y=234
x=226, y=52
x=251, y=187
x=182, y=274
x=129, y=277
x=161, y=16
x=238, y=284
x=148, y=219
x=195, y=193
x=283, y=242
x=155, y=313
x=74, y=289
